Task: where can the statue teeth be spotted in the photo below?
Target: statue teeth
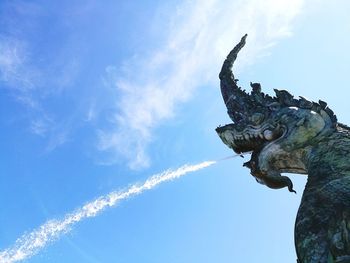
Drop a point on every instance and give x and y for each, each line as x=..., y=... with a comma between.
x=246, y=136
x=261, y=136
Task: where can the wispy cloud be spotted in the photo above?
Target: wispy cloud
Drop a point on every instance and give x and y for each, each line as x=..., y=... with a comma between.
x=200, y=35
x=41, y=126
x=34, y=68
x=27, y=85
x=10, y=59
x=13, y=65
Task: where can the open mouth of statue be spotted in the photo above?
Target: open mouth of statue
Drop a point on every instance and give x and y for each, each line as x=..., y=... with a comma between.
x=249, y=139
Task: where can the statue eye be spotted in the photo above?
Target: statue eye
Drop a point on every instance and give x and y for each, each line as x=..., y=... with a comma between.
x=257, y=118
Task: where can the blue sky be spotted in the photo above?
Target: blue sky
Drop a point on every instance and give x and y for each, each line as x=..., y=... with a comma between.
x=95, y=96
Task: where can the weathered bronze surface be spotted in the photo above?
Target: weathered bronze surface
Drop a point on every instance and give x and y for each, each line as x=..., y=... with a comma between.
x=290, y=135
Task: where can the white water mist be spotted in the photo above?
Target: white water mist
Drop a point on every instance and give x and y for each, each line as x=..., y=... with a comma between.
x=29, y=244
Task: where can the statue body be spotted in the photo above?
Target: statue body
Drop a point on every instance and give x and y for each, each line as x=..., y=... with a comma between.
x=289, y=135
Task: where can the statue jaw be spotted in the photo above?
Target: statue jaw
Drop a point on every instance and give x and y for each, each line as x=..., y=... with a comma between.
x=259, y=141
x=250, y=138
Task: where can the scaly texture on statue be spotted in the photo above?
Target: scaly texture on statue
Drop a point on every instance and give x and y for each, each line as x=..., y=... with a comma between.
x=290, y=135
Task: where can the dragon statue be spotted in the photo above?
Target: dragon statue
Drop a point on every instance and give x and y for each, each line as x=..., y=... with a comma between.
x=294, y=135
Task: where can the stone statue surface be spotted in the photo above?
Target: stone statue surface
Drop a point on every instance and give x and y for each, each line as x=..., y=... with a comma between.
x=294, y=135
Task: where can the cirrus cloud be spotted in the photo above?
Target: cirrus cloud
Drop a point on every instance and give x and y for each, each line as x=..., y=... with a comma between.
x=200, y=34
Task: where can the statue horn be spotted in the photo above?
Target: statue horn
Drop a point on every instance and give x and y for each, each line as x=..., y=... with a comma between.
x=234, y=97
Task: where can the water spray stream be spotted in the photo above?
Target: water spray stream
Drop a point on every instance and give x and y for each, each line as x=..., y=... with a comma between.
x=30, y=244
x=234, y=156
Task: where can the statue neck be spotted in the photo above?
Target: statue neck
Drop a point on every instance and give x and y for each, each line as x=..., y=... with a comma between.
x=328, y=159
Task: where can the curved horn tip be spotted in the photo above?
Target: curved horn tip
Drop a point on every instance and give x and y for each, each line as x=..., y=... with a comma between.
x=243, y=40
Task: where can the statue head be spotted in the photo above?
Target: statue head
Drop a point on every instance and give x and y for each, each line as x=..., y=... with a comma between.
x=273, y=128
